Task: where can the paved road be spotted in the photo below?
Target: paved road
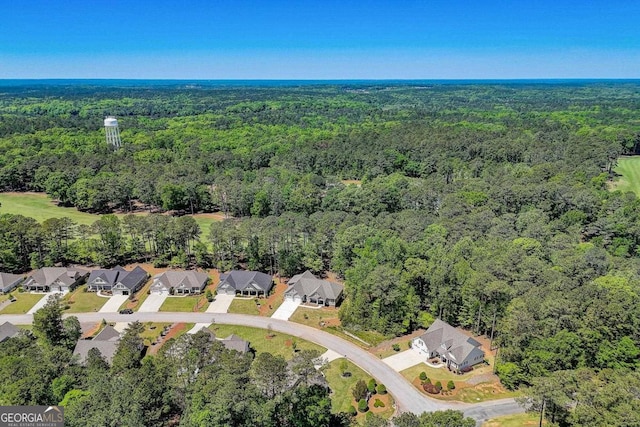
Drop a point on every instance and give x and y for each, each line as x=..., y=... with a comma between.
x=406, y=396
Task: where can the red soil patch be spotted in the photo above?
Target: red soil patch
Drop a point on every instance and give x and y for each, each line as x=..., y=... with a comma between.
x=173, y=332
x=277, y=293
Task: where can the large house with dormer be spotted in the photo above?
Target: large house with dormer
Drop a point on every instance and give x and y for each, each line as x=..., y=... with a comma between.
x=179, y=282
x=307, y=288
x=117, y=280
x=456, y=350
x=245, y=283
x=55, y=279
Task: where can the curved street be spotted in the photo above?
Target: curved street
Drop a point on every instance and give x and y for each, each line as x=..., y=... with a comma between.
x=406, y=396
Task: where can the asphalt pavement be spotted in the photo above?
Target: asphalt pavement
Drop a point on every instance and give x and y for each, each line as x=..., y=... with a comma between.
x=407, y=397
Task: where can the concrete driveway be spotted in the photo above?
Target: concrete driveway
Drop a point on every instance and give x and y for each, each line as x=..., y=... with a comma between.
x=404, y=359
x=43, y=301
x=197, y=327
x=285, y=311
x=152, y=303
x=113, y=304
x=220, y=304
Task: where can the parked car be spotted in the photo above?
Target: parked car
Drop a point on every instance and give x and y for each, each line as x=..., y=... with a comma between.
x=126, y=311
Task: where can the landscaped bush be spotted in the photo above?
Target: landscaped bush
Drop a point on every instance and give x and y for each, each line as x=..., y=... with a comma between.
x=382, y=389
x=359, y=390
x=362, y=405
x=371, y=387
x=209, y=295
x=438, y=385
x=430, y=388
x=378, y=403
x=423, y=376
x=396, y=347
x=352, y=411
x=451, y=385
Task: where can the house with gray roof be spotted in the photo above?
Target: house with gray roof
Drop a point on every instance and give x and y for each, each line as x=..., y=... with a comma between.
x=232, y=342
x=8, y=330
x=9, y=282
x=456, y=350
x=103, y=280
x=55, y=279
x=245, y=283
x=129, y=282
x=307, y=288
x=106, y=342
x=179, y=282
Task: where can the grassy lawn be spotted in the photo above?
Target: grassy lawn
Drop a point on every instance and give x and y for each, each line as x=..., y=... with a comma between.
x=139, y=298
x=279, y=344
x=341, y=397
x=80, y=301
x=40, y=207
x=188, y=303
x=246, y=306
x=23, y=304
x=389, y=351
x=327, y=320
x=487, y=389
x=629, y=168
x=152, y=331
x=517, y=420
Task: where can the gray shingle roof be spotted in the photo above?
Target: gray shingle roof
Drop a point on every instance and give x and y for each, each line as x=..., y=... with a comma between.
x=176, y=279
x=8, y=279
x=106, y=342
x=46, y=276
x=447, y=340
x=108, y=276
x=8, y=330
x=132, y=278
x=309, y=285
x=232, y=342
x=240, y=280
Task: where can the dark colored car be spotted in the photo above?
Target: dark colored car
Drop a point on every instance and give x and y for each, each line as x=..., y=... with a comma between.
x=126, y=311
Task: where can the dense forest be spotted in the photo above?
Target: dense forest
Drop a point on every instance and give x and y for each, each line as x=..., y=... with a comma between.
x=487, y=205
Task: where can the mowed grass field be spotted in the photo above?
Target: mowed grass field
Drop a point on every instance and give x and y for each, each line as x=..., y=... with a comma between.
x=40, y=207
x=629, y=169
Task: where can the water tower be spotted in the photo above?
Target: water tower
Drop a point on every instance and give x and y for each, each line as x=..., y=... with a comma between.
x=113, y=133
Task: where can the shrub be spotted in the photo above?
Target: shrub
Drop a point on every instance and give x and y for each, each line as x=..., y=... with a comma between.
x=352, y=411
x=430, y=388
x=371, y=387
x=362, y=405
x=396, y=347
x=378, y=403
x=451, y=385
x=438, y=385
x=423, y=376
x=382, y=389
x=209, y=295
x=359, y=390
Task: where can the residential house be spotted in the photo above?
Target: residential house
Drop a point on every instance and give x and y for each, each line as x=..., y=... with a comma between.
x=179, y=282
x=106, y=342
x=103, y=280
x=245, y=283
x=456, y=350
x=129, y=282
x=232, y=342
x=55, y=279
x=307, y=288
x=8, y=330
x=8, y=282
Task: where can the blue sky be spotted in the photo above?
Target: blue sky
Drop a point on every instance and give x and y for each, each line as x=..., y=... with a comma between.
x=347, y=39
